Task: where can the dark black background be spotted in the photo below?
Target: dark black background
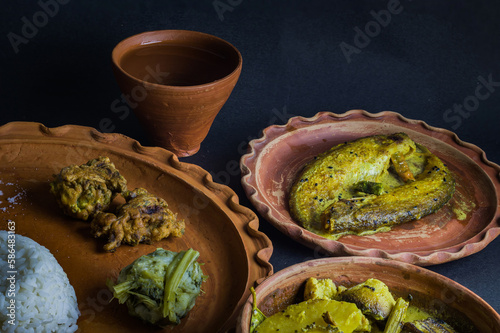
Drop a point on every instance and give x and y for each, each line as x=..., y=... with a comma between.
x=428, y=59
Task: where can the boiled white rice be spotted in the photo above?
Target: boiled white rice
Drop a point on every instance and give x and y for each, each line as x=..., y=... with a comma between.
x=45, y=301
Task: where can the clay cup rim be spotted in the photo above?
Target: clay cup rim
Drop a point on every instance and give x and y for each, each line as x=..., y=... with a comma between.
x=158, y=36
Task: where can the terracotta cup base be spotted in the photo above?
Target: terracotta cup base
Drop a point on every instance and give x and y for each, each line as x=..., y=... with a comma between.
x=185, y=153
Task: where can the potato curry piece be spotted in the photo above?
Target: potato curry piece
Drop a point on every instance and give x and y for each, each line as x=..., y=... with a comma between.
x=320, y=289
x=144, y=218
x=372, y=297
x=367, y=185
x=82, y=191
x=317, y=315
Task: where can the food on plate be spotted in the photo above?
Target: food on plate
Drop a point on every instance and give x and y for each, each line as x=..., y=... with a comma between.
x=144, y=218
x=429, y=325
x=317, y=315
x=256, y=316
x=37, y=295
x=369, y=185
x=365, y=307
x=82, y=191
x=86, y=192
x=372, y=297
x=320, y=289
x=397, y=316
x=161, y=287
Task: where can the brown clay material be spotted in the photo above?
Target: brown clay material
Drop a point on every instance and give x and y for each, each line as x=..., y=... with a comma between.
x=176, y=81
x=430, y=291
x=234, y=253
x=274, y=161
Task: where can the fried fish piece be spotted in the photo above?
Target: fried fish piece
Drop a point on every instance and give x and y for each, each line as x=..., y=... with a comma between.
x=332, y=174
x=431, y=189
x=144, y=218
x=82, y=191
x=342, y=190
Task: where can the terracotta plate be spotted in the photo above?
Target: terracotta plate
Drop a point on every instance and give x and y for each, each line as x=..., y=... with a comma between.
x=430, y=291
x=464, y=226
x=233, y=252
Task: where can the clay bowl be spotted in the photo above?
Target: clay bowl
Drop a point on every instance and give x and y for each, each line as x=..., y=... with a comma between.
x=176, y=81
x=430, y=291
x=233, y=252
x=275, y=160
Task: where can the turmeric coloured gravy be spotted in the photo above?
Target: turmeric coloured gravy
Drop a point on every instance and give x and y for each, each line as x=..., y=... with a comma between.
x=366, y=307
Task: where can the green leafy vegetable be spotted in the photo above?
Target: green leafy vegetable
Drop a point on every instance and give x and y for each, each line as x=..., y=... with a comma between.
x=173, y=279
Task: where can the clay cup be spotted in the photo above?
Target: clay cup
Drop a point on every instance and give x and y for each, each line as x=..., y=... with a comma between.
x=176, y=81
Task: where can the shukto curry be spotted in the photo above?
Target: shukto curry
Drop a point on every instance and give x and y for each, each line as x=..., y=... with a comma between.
x=369, y=185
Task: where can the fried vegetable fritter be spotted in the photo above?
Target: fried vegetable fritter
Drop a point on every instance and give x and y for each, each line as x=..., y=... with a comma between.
x=144, y=218
x=85, y=190
x=343, y=191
